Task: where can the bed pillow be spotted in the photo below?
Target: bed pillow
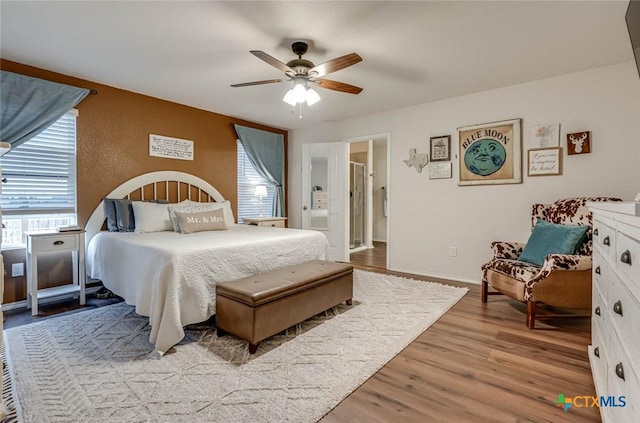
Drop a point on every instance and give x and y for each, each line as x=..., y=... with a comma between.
x=110, y=213
x=550, y=238
x=124, y=215
x=203, y=221
x=188, y=206
x=151, y=217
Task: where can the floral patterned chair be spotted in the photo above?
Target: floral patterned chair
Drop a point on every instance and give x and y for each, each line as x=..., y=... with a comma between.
x=562, y=281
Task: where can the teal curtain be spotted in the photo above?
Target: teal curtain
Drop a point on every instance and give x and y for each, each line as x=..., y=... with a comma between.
x=29, y=105
x=266, y=152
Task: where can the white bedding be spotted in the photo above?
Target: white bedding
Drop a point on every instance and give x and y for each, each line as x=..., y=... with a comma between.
x=171, y=277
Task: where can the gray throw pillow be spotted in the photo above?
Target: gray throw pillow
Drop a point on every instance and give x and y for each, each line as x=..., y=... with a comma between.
x=110, y=212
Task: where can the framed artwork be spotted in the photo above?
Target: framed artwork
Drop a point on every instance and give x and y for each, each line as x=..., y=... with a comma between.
x=440, y=148
x=546, y=135
x=579, y=143
x=544, y=161
x=440, y=170
x=490, y=153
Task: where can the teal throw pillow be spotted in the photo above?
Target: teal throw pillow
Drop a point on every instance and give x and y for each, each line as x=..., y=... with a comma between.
x=550, y=238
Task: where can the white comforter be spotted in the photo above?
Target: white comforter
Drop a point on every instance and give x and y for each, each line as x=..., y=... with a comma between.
x=171, y=277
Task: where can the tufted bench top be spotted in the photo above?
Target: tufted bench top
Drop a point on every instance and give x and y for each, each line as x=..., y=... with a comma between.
x=270, y=286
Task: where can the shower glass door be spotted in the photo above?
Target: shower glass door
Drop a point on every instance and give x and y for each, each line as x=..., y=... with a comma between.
x=357, y=181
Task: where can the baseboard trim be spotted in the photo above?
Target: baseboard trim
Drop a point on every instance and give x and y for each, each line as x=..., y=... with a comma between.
x=23, y=303
x=435, y=275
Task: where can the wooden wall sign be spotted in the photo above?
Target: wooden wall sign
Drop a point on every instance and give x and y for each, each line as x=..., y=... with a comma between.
x=579, y=143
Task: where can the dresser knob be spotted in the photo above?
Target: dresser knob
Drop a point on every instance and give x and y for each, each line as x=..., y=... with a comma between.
x=620, y=371
x=617, y=308
x=596, y=352
x=598, y=270
x=606, y=241
x=626, y=257
x=595, y=232
x=597, y=311
x=58, y=242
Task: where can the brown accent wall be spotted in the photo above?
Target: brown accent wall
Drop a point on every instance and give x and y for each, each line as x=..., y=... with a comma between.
x=113, y=130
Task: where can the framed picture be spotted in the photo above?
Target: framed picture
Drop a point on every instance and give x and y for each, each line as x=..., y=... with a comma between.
x=579, y=143
x=545, y=161
x=546, y=135
x=440, y=148
x=440, y=170
x=490, y=153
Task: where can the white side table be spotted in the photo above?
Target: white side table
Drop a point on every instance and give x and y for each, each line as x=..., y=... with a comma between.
x=41, y=243
x=274, y=222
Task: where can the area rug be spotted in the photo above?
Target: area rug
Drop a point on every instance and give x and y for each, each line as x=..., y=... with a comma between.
x=92, y=366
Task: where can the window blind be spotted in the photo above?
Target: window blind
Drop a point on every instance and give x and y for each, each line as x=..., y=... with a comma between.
x=248, y=178
x=41, y=172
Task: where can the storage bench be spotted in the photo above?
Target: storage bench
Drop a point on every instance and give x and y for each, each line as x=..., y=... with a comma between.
x=260, y=306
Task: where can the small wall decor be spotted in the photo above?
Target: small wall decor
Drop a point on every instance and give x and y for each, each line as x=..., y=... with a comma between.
x=440, y=148
x=545, y=161
x=417, y=160
x=579, y=143
x=490, y=153
x=546, y=135
x=440, y=170
x=170, y=148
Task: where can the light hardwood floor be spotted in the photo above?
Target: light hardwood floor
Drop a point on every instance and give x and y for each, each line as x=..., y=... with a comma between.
x=479, y=363
x=373, y=257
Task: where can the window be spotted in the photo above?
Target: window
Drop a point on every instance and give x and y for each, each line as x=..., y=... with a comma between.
x=248, y=178
x=40, y=192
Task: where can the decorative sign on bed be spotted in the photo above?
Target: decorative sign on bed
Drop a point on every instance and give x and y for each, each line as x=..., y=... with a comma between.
x=171, y=148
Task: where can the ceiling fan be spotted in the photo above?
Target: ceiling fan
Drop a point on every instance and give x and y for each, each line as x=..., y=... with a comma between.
x=304, y=73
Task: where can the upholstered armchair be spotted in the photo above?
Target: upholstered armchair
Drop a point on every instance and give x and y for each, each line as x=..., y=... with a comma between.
x=558, y=279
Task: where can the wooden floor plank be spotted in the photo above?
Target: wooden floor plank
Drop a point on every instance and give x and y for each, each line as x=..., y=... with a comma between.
x=479, y=363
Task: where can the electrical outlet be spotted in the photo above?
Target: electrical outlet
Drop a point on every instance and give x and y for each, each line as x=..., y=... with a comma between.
x=17, y=270
x=453, y=251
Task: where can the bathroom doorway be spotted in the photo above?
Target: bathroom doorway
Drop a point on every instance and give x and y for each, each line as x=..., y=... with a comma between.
x=368, y=201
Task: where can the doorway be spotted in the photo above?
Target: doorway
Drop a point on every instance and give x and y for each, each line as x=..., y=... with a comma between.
x=368, y=200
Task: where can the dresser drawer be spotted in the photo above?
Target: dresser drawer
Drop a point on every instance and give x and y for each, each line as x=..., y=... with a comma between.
x=622, y=381
x=628, y=261
x=604, y=237
x=599, y=312
x=273, y=223
x=624, y=315
x=602, y=273
x=42, y=244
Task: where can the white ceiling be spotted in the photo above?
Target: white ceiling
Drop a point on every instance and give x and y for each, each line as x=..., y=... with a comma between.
x=413, y=52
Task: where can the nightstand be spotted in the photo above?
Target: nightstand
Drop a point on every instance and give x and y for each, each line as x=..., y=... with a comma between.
x=42, y=243
x=274, y=222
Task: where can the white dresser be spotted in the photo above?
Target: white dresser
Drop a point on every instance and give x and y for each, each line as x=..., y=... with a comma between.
x=614, y=352
x=319, y=200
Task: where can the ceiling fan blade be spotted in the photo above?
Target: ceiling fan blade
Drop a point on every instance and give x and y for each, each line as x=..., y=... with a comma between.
x=339, y=86
x=248, y=84
x=271, y=60
x=336, y=64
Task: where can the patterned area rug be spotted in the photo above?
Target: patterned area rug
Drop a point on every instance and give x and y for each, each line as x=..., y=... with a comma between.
x=93, y=366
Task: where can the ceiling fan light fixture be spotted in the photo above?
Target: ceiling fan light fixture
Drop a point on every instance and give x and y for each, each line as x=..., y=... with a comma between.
x=299, y=92
x=289, y=98
x=312, y=97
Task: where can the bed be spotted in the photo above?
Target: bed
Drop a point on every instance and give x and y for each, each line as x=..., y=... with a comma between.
x=171, y=277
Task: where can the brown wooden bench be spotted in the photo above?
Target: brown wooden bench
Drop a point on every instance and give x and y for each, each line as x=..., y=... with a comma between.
x=263, y=305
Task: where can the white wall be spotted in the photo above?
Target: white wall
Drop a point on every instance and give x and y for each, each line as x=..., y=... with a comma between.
x=426, y=217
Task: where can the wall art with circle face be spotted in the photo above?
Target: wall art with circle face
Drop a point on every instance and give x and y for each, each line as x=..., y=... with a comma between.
x=490, y=153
